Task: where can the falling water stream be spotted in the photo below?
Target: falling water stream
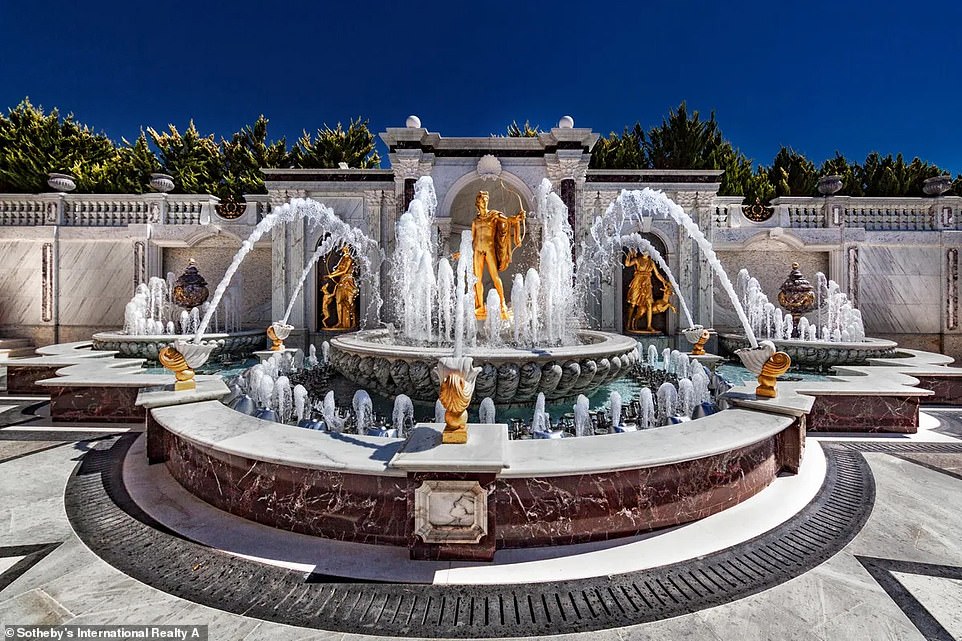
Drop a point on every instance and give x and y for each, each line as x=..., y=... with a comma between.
x=318, y=214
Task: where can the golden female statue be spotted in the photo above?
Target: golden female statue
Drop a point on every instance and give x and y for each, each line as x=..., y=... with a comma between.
x=343, y=294
x=640, y=298
x=495, y=236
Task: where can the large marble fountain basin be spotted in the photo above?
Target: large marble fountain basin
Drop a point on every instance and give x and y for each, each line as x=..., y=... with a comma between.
x=148, y=345
x=820, y=354
x=508, y=375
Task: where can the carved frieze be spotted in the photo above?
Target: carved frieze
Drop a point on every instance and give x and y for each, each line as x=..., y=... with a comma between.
x=450, y=511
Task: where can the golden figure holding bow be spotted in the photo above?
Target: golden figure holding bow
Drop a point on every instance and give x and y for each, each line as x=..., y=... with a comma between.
x=495, y=236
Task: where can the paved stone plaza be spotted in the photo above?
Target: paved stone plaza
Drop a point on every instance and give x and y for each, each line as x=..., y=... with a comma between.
x=899, y=577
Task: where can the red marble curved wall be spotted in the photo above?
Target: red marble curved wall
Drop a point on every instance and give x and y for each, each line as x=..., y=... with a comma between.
x=348, y=507
x=575, y=509
x=528, y=512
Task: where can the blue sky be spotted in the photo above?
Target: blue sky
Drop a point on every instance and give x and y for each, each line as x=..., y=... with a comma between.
x=819, y=76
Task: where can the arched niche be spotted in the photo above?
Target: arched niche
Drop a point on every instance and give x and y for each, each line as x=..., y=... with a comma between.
x=660, y=320
x=458, y=211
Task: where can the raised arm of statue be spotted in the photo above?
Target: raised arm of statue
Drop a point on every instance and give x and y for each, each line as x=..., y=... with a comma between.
x=658, y=275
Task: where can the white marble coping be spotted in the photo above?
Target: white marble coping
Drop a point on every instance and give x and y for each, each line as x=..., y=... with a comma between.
x=215, y=427
x=596, y=345
x=868, y=343
x=53, y=360
x=714, y=434
x=113, y=372
x=424, y=452
x=119, y=336
x=120, y=379
x=797, y=397
x=58, y=355
x=207, y=389
x=922, y=363
x=80, y=349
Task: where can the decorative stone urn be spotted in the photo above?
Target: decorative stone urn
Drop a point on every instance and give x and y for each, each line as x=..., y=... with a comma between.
x=182, y=358
x=937, y=185
x=190, y=290
x=797, y=295
x=766, y=364
x=828, y=185
x=457, y=376
x=697, y=336
x=278, y=333
x=162, y=182
x=61, y=182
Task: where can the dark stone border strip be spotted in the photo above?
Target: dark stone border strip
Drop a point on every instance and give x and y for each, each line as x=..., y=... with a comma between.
x=36, y=451
x=13, y=434
x=107, y=520
x=897, y=448
x=882, y=571
x=32, y=554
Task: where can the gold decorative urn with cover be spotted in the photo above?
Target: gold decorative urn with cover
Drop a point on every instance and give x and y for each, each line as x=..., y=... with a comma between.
x=796, y=295
x=190, y=290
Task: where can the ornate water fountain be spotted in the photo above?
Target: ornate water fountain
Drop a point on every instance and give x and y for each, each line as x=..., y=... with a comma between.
x=820, y=329
x=165, y=310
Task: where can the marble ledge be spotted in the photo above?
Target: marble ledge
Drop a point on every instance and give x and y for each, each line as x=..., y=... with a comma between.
x=798, y=398
x=217, y=429
x=57, y=359
x=118, y=380
x=212, y=388
x=78, y=349
x=708, y=436
x=423, y=451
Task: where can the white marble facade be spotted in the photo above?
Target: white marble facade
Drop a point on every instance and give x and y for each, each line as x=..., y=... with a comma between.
x=65, y=275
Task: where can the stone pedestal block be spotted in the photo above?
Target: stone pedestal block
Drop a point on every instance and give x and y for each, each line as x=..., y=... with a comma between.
x=95, y=404
x=948, y=389
x=20, y=380
x=451, y=502
x=898, y=414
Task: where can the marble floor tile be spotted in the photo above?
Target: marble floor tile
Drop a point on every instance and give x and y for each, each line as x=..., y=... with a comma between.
x=941, y=597
x=916, y=514
x=33, y=608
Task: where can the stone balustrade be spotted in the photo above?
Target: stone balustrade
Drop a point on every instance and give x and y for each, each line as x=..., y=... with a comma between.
x=871, y=214
x=118, y=210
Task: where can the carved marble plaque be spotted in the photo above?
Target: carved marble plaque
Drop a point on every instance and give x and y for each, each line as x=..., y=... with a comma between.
x=450, y=511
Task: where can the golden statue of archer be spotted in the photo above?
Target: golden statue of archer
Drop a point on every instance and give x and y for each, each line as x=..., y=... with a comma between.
x=494, y=236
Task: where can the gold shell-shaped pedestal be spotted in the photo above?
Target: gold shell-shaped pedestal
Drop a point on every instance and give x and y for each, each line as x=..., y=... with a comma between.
x=776, y=365
x=277, y=344
x=176, y=363
x=458, y=377
x=698, y=349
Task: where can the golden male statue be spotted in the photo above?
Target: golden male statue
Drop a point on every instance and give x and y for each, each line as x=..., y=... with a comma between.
x=495, y=236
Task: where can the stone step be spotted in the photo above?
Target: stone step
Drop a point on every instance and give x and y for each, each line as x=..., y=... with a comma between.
x=18, y=352
x=11, y=343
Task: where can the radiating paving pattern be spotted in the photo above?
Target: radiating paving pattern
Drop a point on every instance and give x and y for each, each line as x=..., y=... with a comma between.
x=897, y=578
x=105, y=518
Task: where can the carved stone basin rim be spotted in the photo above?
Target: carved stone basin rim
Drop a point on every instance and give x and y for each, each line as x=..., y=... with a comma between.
x=593, y=344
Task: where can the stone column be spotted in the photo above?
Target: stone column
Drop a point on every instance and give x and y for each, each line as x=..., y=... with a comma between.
x=705, y=308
